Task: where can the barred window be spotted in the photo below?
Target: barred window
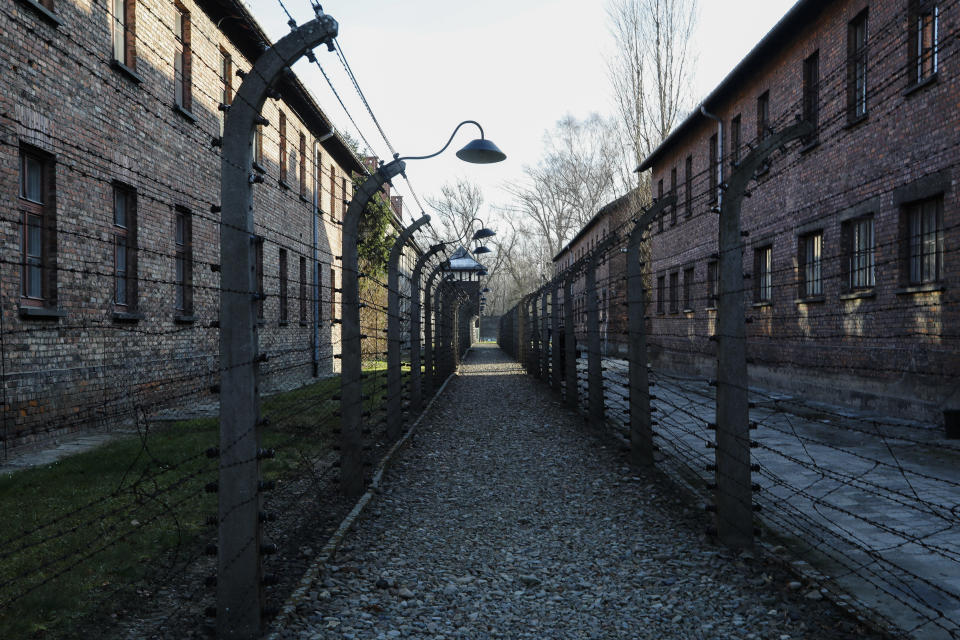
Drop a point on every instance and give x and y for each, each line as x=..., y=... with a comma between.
x=858, y=261
x=924, y=241
x=811, y=94
x=124, y=246
x=661, y=292
x=763, y=270
x=857, y=66
x=924, y=39
x=38, y=238
x=810, y=261
x=183, y=245
x=674, y=292
x=182, y=61
x=713, y=283
x=688, y=289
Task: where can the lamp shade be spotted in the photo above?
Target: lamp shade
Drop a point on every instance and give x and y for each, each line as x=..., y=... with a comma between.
x=481, y=151
x=481, y=249
x=484, y=233
x=482, y=272
x=486, y=290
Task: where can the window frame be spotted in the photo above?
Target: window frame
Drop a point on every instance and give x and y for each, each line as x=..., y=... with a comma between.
x=303, y=165
x=303, y=290
x=713, y=284
x=282, y=278
x=811, y=95
x=736, y=138
x=923, y=247
x=688, y=278
x=282, y=147
x=810, y=265
x=857, y=276
x=763, y=274
x=917, y=48
x=182, y=54
x=123, y=47
x=714, y=164
x=44, y=210
x=673, y=192
x=858, y=38
x=661, y=293
x=674, y=291
x=688, y=186
x=125, y=245
x=258, y=273
x=183, y=260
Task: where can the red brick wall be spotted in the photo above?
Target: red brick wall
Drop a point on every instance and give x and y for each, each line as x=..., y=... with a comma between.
x=892, y=342
x=60, y=94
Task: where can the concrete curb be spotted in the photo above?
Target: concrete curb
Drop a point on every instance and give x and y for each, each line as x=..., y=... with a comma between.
x=333, y=544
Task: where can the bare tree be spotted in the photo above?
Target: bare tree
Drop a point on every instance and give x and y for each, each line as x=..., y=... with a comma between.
x=458, y=204
x=651, y=71
x=574, y=179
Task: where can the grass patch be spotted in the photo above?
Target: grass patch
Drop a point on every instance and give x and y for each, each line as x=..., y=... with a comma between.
x=82, y=536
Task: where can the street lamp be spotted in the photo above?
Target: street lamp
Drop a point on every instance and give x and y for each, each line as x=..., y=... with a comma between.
x=480, y=151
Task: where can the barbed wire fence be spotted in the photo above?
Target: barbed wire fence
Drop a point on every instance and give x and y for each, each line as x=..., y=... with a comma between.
x=659, y=356
x=128, y=536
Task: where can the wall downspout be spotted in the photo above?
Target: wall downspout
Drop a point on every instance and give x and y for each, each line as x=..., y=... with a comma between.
x=706, y=113
x=316, y=264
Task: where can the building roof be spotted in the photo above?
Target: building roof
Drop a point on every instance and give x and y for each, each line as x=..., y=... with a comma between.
x=603, y=212
x=461, y=260
x=800, y=15
x=239, y=26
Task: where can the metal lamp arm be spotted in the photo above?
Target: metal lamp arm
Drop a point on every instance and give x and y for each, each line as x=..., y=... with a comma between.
x=433, y=155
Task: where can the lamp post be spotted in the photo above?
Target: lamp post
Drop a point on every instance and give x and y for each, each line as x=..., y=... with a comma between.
x=479, y=151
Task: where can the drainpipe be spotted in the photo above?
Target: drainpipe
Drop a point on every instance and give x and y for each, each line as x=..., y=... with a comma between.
x=704, y=111
x=316, y=264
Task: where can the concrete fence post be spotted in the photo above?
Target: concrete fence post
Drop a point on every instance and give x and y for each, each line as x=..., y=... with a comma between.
x=544, y=335
x=572, y=387
x=641, y=425
x=239, y=587
x=394, y=373
x=595, y=406
x=556, y=372
x=416, y=310
x=734, y=497
x=429, y=325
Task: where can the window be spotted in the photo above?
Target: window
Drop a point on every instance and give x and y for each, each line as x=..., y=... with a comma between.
x=661, y=292
x=660, y=197
x=38, y=240
x=763, y=123
x=303, y=290
x=924, y=39
x=688, y=289
x=811, y=94
x=713, y=283
x=714, y=169
x=688, y=186
x=858, y=247
x=763, y=268
x=674, y=291
x=333, y=192
x=333, y=293
x=182, y=63
x=283, y=147
x=673, y=192
x=736, y=139
x=924, y=241
x=124, y=32
x=857, y=67
x=303, y=166
x=183, y=244
x=125, y=246
x=283, y=286
x=810, y=261
x=343, y=188
x=226, y=84
x=258, y=145
x=258, y=267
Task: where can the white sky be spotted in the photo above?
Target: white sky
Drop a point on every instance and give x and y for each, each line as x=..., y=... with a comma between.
x=515, y=66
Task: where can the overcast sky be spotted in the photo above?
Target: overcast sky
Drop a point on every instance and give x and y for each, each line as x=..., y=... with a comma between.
x=516, y=66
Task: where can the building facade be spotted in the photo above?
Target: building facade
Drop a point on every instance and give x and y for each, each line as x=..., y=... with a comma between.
x=110, y=117
x=850, y=234
x=610, y=220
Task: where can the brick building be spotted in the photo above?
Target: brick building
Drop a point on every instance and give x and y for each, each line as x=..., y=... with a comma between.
x=110, y=115
x=853, y=277
x=611, y=289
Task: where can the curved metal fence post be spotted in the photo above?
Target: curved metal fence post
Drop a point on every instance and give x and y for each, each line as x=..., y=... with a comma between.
x=351, y=370
x=595, y=409
x=641, y=426
x=544, y=335
x=239, y=590
x=416, y=380
x=571, y=389
x=394, y=374
x=429, y=323
x=734, y=486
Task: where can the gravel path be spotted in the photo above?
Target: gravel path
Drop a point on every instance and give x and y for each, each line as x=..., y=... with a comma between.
x=507, y=518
